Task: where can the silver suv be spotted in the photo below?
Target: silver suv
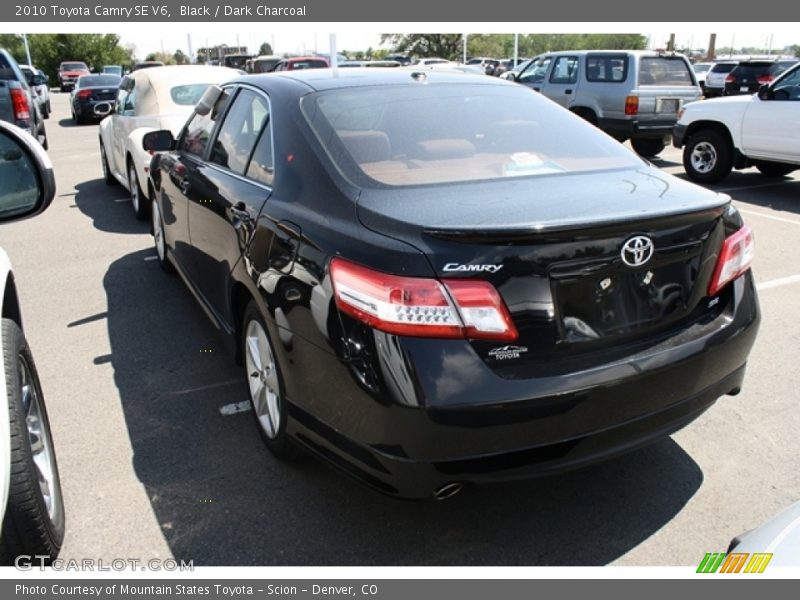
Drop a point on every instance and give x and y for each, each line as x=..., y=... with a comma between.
x=629, y=94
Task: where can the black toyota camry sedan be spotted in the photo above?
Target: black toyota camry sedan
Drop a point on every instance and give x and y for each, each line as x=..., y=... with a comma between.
x=433, y=279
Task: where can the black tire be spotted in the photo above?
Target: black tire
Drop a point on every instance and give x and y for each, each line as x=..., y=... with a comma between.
x=587, y=115
x=29, y=528
x=708, y=156
x=139, y=203
x=43, y=132
x=157, y=228
x=771, y=169
x=648, y=147
x=107, y=176
x=278, y=441
x=79, y=120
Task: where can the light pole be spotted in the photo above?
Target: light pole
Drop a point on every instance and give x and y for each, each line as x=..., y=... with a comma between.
x=27, y=49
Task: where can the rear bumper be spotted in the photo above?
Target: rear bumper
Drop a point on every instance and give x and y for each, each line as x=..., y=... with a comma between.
x=634, y=128
x=522, y=428
x=679, y=135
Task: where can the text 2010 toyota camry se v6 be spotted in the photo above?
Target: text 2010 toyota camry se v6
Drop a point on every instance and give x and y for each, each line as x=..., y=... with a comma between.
x=435, y=279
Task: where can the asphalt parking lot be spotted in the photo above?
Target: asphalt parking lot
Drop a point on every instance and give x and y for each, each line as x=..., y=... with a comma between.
x=134, y=376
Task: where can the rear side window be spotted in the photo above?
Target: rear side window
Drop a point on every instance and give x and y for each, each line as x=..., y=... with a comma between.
x=664, y=70
x=607, y=68
x=239, y=132
x=262, y=165
x=307, y=64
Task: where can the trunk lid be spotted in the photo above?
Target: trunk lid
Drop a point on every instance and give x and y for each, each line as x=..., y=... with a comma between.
x=552, y=247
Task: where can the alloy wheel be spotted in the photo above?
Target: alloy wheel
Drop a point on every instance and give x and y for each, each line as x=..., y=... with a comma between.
x=262, y=378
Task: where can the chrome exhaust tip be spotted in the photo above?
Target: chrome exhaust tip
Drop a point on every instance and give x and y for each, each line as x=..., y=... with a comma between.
x=448, y=490
x=101, y=109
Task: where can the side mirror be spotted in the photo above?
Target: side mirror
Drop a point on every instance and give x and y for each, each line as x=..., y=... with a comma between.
x=208, y=100
x=38, y=80
x=27, y=181
x=764, y=92
x=158, y=141
x=510, y=75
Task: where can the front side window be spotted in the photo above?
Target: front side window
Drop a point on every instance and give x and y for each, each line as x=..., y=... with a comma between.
x=536, y=71
x=200, y=127
x=239, y=131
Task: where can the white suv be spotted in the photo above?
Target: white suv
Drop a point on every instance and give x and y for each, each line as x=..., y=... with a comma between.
x=736, y=132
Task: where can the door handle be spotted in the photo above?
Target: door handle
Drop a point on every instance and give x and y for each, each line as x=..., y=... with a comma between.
x=567, y=92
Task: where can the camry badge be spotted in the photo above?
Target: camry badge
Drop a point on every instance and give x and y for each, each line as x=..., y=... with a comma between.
x=637, y=251
x=455, y=267
x=506, y=352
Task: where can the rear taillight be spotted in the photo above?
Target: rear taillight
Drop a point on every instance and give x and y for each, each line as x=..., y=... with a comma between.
x=632, y=105
x=19, y=101
x=84, y=94
x=421, y=307
x=762, y=79
x=730, y=79
x=734, y=259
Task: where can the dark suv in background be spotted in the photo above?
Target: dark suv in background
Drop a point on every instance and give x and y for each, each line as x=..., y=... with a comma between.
x=17, y=104
x=749, y=75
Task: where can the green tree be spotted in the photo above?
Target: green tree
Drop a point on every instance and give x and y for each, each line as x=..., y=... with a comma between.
x=164, y=57
x=180, y=58
x=48, y=50
x=422, y=45
x=265, y=49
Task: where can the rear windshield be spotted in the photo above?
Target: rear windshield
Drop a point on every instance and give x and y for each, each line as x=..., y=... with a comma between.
x=308, y=64
x=74, y=67
x=722, y=68
x=99, y=81
x=664, y=70
x=429, y=134
x=753, y=69
x=188, y=95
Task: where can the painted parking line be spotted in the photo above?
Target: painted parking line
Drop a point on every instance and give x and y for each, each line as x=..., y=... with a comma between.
x=235, y=408
x=756, y=185
x=202, y=388
x=766, y=216
x=773, y=283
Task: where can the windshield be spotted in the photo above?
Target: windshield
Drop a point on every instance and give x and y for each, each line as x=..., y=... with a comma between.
x=98, y=81
x=77, y=66
x=428, y=134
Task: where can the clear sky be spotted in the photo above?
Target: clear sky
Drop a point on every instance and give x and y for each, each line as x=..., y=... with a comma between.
x=294, y=39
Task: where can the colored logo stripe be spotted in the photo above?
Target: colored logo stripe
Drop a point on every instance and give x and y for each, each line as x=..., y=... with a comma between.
x=758, y=563
x=734, y=563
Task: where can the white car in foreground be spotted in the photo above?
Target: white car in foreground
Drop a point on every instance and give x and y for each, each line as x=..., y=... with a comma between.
x=31, y=502
x=149, y=100
x=736, y=132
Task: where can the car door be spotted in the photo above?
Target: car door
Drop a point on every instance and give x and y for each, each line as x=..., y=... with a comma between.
x=225, y=203
x=562, y=83
x=534, y=74
x=771, y=126
x=181, y=180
